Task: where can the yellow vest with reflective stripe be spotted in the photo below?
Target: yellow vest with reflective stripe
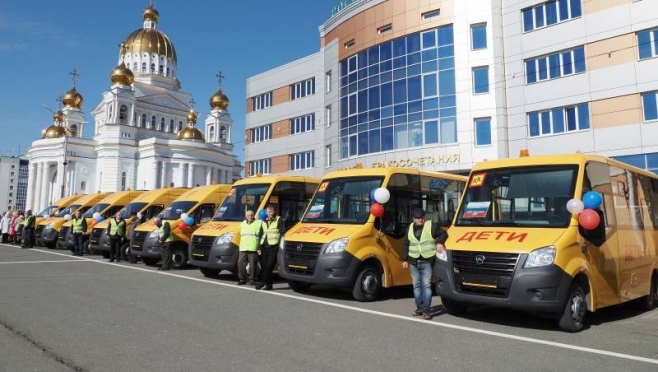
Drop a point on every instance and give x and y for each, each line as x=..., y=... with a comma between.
x=426, y=246
x=117, y=228
x=271, y=233
x=77, y=225
x=249, y=235
x=28, y=222
x=169, y=239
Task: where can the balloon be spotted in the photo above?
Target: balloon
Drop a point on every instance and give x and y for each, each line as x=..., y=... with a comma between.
x=100, y=219
x=183, y=216
x=592, y=200
x=382, y=195
x=182, y=226
x=96, y=215
x=377, y=209
x=139, y=216
x=372, y=194
x=589, y=219
x=575, y=206
x=262, y=214
x=189, y=221
x=93, y=222
x=67, y=217
x=48, y=217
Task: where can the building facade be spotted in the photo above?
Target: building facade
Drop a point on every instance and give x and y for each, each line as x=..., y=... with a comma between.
x=441, y=85
x=13, y=181
x=145, y=134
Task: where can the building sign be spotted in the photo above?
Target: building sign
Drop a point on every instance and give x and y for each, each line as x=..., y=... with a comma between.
x=341, y=5
x=355, y=166
x=418, y=162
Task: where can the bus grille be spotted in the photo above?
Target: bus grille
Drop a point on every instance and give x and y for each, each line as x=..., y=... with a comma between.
x=37, y=232
x=62, y=233
x=137, y=242
x=301, y=258
x=96, y=235
x=201, y=247
x=484, y=273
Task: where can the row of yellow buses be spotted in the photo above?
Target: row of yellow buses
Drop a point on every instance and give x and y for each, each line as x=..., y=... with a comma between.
x=512, y=242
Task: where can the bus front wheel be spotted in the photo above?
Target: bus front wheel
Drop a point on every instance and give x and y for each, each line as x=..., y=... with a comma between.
x=368, y=284
x=651, y=300
x=573, y=316
x=299, y=287
x=453, y=307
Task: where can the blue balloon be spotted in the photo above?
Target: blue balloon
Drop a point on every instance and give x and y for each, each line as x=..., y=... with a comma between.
x=372, y=194
x=592, y=200
x=262, y=214
x=189, y=221
x=100, y=219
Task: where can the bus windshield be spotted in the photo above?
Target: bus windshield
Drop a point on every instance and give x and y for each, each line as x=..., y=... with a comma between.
x=100, y=207
x=527, y=197
x=239, y=200
x=47, y=211
x=173, y=211
x=342, y=200
x=132, y=207
x=68, y=210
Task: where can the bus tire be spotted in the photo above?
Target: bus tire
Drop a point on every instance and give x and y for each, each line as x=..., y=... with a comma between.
x=149, y=261
x=299, y=287
x=651, y=300
x=572, y=318
x=209, y=273
x=368, y=284
x=453, y=307
x=178, y=258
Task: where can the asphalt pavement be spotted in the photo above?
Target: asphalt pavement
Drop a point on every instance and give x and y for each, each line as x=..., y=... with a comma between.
x=65, y=313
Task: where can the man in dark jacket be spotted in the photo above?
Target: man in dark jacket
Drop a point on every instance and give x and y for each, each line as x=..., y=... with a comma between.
x=273, y=229
x=28, y=230
x=130, y=230
x=421, y=245
x=164, y=239
x=116, y=230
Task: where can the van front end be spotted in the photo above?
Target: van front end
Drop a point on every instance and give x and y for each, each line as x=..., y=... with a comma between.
x=99, y=241
x=215, y=247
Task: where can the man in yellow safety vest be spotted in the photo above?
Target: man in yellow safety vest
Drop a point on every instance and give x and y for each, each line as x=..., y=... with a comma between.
x=116, y=229
x=273, y=230
x=165, y=238
x=250, y=234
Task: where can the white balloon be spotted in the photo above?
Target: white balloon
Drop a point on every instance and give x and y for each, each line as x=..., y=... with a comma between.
x=382, y=195
x=183, y=216
x=67, y=217
x=139, y=215
x=575, y=206
x=48, y=217
x=96, y=215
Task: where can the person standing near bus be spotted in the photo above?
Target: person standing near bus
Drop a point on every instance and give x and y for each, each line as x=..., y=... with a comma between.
x=116, y=229
x=250, y=234
x=273, y=230
x=130, y=230
x=164, y=239
x=28, y=230
x=422, y=243
x=78, y=229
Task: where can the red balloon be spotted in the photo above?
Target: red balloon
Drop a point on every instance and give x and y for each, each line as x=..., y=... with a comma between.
x=182, y=226
x=377, y=209
x=93, y=222
x=589, y=219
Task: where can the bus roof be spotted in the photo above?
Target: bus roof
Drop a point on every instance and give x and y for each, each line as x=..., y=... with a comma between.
x=272, y=179
x=577, y=159
x=154, y=194
x=390, y=171
x=121, y=196
x=67, y=200
x=202, y=192
x=91, y=199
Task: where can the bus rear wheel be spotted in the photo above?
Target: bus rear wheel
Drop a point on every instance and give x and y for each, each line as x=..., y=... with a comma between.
x=651, y=300
x=178, y=258
x=572, y=318
x=368, y=284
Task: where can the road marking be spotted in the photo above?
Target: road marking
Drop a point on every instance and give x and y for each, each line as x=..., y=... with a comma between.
x=394, y=316
x=30, y=262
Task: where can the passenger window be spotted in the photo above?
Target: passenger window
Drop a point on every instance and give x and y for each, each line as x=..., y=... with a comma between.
x=204, y=213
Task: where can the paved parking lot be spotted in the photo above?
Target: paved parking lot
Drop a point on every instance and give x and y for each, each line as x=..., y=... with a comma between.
x=59, y=312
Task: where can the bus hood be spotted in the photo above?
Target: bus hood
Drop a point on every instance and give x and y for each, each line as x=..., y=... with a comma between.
x=217, y=228
x=320, y=233
x=501, y=239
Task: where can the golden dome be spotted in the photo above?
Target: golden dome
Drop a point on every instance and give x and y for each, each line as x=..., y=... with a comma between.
x=59, y=116
x=122, y=75
x=190, y=133
x=55, y=131
x=150, y=40
x=72, y=99
x=219, y=101
x=150, y=14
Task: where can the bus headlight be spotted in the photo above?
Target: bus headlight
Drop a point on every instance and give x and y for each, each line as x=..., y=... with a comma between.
x=282, y=243
x=153, y=234
x=224, y=238
x=49, y=226
x=443, y=256
x=540, y=257
x=337, y=246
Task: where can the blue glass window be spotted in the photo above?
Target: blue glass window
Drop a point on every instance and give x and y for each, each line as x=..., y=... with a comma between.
x=533, y=123
x=400, y=91
x=373, y=98
x=429, y=39
x=545, y=117
x=446, y=36
x=528, y=22
x=387, y=94
x=387, y=138
x=583, y=116
x=399, y=47
x=482, y=132
x=481, y=80
x=550, y=13
x=447, y=82
x=385, y=52
x=571, y=118
x=539, y=17
x=554, y=65
x=579, y=59
x=564, y=9
x=373, y=55
x=413, y=43
x=429, y=85
x=649, y=106
x=558, y=120
x=531, y=71
x=448, y=130
x=415, y=89
x=647, y=42
x=374, y=142
x=576, y=10
x=567, y=63
x=431, y=132
x=479, y=36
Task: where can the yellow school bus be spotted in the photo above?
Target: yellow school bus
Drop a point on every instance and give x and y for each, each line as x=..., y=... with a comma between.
x=51, y=210
x=514, y=242
x=105, y=208
x=341, y=244
x=146, y=205
x=214, y=247
x=199, y=203
x=48, y=231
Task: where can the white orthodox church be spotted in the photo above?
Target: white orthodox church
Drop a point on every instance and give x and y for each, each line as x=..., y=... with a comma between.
x=145, y=134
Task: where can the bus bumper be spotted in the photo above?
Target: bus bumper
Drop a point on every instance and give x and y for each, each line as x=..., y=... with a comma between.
x=218, y=257
x=336, y=269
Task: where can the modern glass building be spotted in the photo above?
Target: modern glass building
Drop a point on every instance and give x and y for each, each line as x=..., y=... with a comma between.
x=442, y=85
